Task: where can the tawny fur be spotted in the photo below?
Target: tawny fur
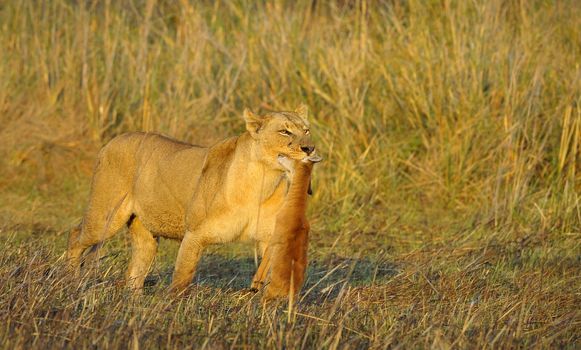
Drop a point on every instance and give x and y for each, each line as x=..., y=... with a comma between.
x=199, y=195
x=289, y=243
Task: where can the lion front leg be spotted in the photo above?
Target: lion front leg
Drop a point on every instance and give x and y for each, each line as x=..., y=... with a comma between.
x=188, y=256
x=261, y=274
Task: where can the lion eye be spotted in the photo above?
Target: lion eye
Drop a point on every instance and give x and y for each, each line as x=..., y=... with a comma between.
x=307, y=131
x=285, y=132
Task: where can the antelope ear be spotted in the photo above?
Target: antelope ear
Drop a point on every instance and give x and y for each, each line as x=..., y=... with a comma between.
x=303, y=112
x=254, y=122
x=310, y=190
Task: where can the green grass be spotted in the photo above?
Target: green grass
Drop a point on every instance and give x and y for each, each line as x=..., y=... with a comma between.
x=446, y=213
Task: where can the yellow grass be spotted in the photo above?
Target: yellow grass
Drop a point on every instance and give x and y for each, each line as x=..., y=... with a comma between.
x=451, y=132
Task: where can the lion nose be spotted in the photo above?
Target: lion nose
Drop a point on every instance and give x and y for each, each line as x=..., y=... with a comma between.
x=308, y=149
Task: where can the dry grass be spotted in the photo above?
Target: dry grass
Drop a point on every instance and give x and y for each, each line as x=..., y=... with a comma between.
x=447, y=212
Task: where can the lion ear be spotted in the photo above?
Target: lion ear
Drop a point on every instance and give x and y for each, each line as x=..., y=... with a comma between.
x=254, y=122
x=303, y=112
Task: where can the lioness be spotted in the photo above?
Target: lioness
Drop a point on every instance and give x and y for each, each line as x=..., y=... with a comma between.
x=161, y=187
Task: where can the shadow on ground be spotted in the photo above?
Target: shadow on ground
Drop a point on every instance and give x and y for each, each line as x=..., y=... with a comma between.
x=325, y=277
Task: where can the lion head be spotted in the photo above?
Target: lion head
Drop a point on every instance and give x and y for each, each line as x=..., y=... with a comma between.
x=283, y=134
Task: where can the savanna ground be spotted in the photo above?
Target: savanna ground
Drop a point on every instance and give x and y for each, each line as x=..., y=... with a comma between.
x=446, y=214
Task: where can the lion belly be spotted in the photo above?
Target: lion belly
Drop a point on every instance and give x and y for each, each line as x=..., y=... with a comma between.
x=161, y=220
x=165, y=178
x=234, y=224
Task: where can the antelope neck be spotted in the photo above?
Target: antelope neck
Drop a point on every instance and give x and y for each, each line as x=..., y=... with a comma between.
x=300, y=182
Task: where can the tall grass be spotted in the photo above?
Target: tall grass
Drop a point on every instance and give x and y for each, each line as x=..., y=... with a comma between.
x=470, y=105
x=440, y=121
x=473, y=103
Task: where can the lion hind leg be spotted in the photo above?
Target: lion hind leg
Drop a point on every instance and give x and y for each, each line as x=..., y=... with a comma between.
x=143, y=249
x=74, y=251
x=101, y=222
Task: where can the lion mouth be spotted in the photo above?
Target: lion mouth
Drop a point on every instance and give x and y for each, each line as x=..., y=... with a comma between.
x=284, y=160
x=313, y=158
